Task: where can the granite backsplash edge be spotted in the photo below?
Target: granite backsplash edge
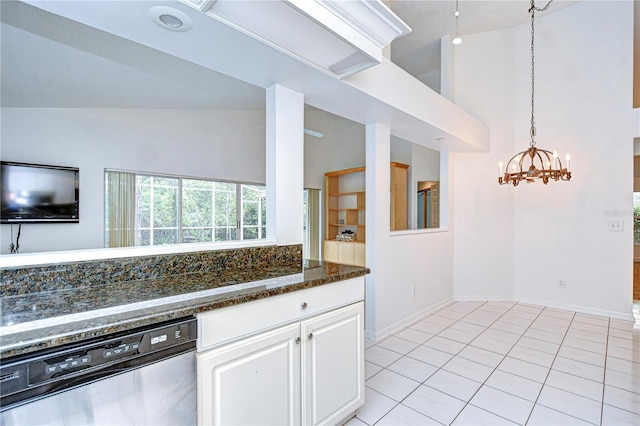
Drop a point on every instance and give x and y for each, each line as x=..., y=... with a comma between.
x=33, y=279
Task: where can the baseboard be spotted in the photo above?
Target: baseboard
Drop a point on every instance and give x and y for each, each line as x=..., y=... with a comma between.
x=374, y=336
x=582, y=309
x=484, y=298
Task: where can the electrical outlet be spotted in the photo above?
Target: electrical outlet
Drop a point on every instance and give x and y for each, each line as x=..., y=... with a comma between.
x=615, y=226
x=562, y=284
x=413, y=291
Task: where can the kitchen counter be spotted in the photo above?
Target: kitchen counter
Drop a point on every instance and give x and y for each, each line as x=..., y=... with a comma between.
x=47, y=319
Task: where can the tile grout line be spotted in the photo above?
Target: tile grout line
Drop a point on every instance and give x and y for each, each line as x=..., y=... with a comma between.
x=550, y=368
x=604, y=372
x=438, y=368
x=466, y=403
x=496, y=367
x=466, y=345
x=405, y=355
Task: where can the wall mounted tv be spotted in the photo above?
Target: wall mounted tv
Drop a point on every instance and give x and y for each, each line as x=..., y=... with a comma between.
x=33, y=193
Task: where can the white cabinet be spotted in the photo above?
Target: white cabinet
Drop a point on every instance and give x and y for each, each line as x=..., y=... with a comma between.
x=306, y=370
x=332, y=365
x=252, y=382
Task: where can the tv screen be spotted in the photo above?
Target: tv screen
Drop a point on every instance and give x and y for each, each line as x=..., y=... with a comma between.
x=34, y=193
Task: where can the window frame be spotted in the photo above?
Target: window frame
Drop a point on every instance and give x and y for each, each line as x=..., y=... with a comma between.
x=179, y=229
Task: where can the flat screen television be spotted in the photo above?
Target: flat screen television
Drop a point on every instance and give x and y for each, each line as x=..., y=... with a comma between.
x=33, y=193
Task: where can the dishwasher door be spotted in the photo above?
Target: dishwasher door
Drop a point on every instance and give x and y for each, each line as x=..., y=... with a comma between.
x=162, y=393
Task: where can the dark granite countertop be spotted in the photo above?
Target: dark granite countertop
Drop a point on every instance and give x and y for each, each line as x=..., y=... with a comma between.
x=35, y=321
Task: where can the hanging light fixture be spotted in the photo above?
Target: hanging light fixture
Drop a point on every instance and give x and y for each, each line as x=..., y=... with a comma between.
x=457, y=39
x=534, y=163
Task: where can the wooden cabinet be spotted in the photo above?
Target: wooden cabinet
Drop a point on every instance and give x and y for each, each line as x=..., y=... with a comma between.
x=348, y=253
x=345, y=210
x=306, y=370
x=345, y=202
x=360, y=254
x=399, y=217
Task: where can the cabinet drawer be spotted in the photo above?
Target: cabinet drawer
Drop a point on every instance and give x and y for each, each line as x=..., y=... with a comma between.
x=231, y=323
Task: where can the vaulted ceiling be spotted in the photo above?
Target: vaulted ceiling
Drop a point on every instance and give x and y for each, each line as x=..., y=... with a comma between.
x=51, y=61
x=430, y=20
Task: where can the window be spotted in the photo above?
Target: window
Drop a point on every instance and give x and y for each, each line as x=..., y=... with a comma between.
x=173, y=210
x=156, y=211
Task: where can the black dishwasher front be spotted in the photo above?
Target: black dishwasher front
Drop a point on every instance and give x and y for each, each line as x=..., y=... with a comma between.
x=129, y=371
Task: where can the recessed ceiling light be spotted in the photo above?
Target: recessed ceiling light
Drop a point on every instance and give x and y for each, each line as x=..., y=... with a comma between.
x=170, y=18
x=171, y=21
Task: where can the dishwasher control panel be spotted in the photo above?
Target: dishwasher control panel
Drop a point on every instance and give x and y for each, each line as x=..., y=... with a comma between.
x=94, y=359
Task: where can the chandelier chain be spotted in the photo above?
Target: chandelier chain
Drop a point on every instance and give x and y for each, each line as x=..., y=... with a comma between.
x=532, y=10
x=534, y=163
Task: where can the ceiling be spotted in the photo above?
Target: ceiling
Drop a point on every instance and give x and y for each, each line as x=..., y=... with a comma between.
x=50, y=61
x=430, y=20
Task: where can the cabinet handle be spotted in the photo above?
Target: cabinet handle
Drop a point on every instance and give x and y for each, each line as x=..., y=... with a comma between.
x=304, y=305
x=297, y=340
x=310, y=336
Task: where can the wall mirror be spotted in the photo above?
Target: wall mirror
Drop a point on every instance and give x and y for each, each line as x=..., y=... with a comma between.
x=415, y=186
x=76, y=96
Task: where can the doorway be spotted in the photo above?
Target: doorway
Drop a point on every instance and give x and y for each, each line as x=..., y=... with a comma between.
x=311, y=211
x=636, y=233
x=428, y=205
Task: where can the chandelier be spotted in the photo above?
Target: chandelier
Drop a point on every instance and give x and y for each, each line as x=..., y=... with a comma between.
x=534, y=163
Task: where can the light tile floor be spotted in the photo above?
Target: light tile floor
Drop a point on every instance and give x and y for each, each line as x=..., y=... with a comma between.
x=499, y=363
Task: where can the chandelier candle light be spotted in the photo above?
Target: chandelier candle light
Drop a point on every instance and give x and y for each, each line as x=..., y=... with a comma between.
x=534, y=163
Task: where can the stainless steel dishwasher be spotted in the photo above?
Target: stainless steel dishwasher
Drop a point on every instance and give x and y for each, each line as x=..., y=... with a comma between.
x=142, y=377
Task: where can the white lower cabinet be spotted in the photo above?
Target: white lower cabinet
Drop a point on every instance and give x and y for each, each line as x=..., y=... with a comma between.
x=332, y=365
x=309, y=372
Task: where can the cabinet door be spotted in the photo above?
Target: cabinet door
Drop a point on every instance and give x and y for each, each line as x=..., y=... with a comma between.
x=360, y=258
x=330, y=252
x=255, y=381
x=333, y=365
x=346, y=253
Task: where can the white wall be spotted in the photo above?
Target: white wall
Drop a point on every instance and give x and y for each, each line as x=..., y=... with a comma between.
x=401, y=261
x=431, y=79
x=519, y=242
x=584, y=106
x=400, y=150
x=341, y=147
x=200, y=143
x=484, y=211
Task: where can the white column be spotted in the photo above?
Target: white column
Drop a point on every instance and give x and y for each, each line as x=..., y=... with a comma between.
x=447, y=68
x=378, y=215
x=285, y=164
